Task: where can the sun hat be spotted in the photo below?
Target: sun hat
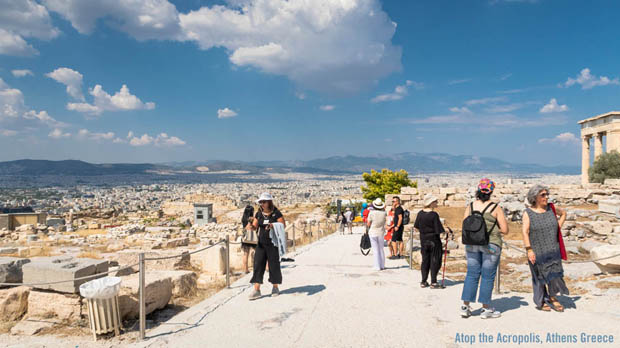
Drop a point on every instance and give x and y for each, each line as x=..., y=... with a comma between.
x=265, y=196
x=348, y=209
x=429, y=199
x=378, y=204
x=486, y=186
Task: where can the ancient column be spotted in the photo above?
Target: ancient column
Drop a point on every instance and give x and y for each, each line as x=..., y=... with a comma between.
x=585, y=159
x=598, y=145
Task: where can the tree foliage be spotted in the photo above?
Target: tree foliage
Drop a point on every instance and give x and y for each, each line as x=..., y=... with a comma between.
x=379, y=184
x=606, y=166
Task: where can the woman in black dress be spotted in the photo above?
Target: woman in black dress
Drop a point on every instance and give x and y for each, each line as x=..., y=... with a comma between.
x=430, y=227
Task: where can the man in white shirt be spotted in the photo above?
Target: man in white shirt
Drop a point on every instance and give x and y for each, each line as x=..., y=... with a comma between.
x=348, y=215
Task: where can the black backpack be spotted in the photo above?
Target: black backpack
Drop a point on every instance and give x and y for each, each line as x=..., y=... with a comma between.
x=475, y=228
x=406, y=218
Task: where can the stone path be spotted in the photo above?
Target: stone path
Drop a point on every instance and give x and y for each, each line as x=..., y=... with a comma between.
x=331, y=297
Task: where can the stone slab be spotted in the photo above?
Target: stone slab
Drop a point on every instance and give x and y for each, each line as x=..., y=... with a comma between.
x=50, y=269
x=11, y=269
x=158, y=289
x=610, y=206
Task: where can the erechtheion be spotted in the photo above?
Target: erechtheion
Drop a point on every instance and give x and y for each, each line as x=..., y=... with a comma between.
x=597, y=127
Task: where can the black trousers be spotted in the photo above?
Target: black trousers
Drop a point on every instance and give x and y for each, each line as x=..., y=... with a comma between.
x=431, y=250
x=266, y=253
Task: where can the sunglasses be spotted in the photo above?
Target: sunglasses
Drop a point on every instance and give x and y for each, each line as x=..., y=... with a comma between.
x=544, y=195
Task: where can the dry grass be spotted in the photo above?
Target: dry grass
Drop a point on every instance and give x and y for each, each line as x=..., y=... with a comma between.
x=86, y=233
x=604, y=284
x=89, y=255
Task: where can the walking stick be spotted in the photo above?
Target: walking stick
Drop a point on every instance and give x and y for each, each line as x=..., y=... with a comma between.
x=445, y=257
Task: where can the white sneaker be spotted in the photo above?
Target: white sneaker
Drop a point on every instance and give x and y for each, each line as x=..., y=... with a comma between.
x=490, y=313
x=465, y=311
x=255, y=294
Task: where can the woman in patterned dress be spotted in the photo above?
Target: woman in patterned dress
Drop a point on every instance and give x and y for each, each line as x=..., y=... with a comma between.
x=540, y=237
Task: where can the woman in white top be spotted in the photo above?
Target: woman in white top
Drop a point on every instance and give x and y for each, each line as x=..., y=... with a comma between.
x=376, y=224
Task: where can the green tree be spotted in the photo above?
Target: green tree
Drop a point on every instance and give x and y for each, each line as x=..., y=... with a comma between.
x=606, y=166
x=378, y=184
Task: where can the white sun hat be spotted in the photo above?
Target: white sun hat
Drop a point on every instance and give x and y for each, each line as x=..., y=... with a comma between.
x=429, y=199
x=265, y=196
x=378, y=203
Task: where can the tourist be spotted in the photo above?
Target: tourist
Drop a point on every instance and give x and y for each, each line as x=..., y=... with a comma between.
x=266, y=252
x=540, y=237
x=376, y=230
x=397, y=235
x=482, y=259
x=249, y=240
x=348, y=215
x=428, y=224
x=365, y=211
x=390, y=230
x=343, y=222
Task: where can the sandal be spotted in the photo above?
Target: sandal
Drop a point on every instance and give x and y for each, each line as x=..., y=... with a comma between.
x=556, y=304
x=424, y=285
x=436, y=286
x=544, y=308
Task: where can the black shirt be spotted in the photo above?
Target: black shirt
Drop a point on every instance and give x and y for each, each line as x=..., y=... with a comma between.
x=399, y=212
x=429, y=225
x=263, y=234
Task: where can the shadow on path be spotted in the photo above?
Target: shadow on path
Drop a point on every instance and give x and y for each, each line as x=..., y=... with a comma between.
x=309, y=289
x=505, y=304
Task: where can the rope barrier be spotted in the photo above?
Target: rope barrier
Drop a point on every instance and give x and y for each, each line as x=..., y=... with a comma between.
x=70, y=280
x=182, y=254
x=567, y=261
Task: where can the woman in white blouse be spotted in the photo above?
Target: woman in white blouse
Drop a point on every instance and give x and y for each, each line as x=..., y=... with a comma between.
x=376, y=224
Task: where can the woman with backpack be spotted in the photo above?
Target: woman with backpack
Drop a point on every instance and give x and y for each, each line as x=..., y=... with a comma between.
x=250, y=238
x=545, y=249
x=428, y=224
x=482, y=259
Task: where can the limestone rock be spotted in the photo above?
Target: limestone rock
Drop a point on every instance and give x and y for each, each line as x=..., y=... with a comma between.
x=588, y=245
x=13, y=303
x=11, y=269
x=47, y=305
x=598, y=227
x=213, y=260
x=158, y=291
x=178, y=242
x=609, y=265
x=30, y=327
x=50, y=269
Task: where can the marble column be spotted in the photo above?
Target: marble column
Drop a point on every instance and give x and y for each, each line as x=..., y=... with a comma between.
x=585, y=159
x=598, y=145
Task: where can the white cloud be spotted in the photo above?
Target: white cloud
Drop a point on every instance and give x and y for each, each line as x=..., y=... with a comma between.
x=495, y=109
x=553, y=106
x=142, y=19
x=161, y=140
x=13, y=108
x=21, y=72
x=88, y=135
x=43, y=117
x=58, y=134
x=458, y=82
x=505, y=76
x=122, y=100
x=8, y=132
x=327, y=107
x=225, y=113
x=484, y=101
x=300, y=95
x=331, y=46
x=588, y=81
x=461, y=110
x=399, y=92
x=489, y=121
x=70, y=78
x=562, y=139
x=23, y=19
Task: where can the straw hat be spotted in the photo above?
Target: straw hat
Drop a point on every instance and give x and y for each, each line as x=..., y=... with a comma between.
x=429, y=199
x=378, y=204
x=265, y=196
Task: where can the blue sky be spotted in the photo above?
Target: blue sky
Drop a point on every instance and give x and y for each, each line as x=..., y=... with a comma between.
x=275, y=79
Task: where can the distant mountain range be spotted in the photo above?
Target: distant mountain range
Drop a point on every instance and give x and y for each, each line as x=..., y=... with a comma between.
x=414, y=163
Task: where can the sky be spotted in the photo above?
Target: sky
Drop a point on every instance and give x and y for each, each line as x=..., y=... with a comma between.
x=189, y=80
